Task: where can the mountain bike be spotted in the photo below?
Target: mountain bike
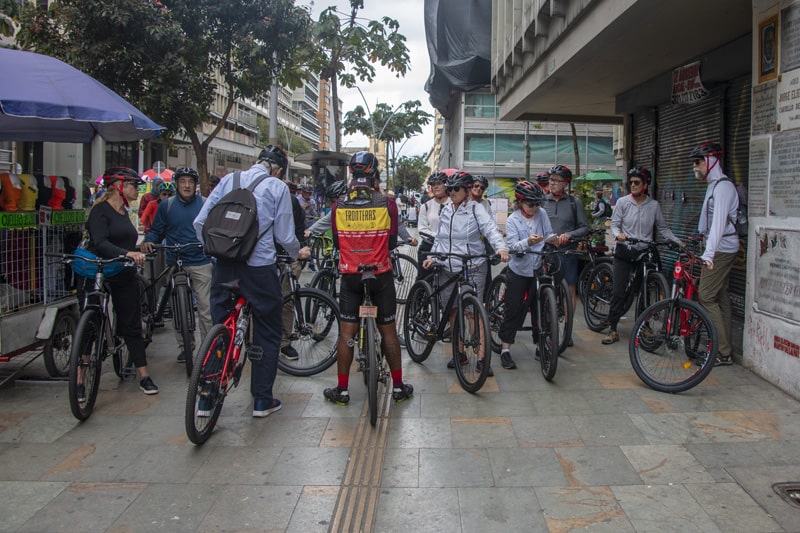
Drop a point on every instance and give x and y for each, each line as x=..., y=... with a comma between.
x=314, y=329
x=647, y=284
x=178, y=292
x=95, y=339
x=545, y=314
x=371, y=361
x=673, y=344
x=218, y=366
x=426, y=321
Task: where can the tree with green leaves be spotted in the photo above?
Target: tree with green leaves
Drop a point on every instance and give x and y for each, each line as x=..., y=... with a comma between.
x=170, y=58
x=411, y=172
x=348, y=49
x=386, y=124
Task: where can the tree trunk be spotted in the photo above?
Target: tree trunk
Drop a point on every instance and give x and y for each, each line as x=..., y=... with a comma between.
x=335, y=134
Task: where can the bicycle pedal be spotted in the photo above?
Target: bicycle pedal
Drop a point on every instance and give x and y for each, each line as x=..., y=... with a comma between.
x=255, y=352
x=128, y=374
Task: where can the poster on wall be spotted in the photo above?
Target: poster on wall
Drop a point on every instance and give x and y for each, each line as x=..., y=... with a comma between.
x=784, y=174
x=768, y=49
x=765, y=112
x=777, y=275
x=788, y=109
x=758, y=177
x=790, y=38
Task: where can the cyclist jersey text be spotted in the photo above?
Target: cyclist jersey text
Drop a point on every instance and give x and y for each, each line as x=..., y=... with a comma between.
x=362, y=225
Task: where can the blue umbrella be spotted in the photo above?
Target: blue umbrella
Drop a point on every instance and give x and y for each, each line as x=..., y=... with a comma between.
x=44, y=99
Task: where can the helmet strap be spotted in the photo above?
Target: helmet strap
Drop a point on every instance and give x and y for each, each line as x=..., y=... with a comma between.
x=119, y=189
x=710, y=165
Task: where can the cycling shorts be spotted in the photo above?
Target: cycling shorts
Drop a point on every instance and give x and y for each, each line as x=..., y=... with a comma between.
x=382, y=292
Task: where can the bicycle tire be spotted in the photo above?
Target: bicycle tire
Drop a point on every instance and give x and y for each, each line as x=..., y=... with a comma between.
x=147, y=308
x=207, y=389
x=324, y=280
x=418, y=322
x=548, y=345
x=56, y=353
x=89, y=340
x=496, y=309
x=685, y=350
x=404, y=271
x=598, y=297
x=372, y=370
x=564, y=307
x=183, y=319
x=656, y=288
x=315, y=332
x=583, y=277
x=475, y=343
x=121, y=358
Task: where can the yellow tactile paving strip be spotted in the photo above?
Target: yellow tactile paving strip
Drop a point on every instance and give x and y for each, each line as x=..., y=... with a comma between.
x=358, y=497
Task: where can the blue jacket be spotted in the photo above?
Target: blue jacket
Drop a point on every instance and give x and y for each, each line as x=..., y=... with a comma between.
x=175, y=225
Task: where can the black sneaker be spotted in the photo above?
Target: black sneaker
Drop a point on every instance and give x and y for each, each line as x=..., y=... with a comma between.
x=147, y=386
x=506, y=361
x=81, y=392
x=289, y=353
x=479, y=368
x=181, y=357
x=337, y=395
x=462, y=360
x=402, y=393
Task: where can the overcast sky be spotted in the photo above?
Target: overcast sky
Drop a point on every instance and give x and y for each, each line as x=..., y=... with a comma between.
x=387, y=88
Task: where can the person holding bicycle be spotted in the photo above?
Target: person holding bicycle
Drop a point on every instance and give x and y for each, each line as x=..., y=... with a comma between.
x=288, y=351
x=462, y=225
x=722, y=242
x=259, y=279
x=429, y=212
x=173, y=222
x=365, y=226
x=568, y=219
x=111, y=234
x=527, y=229
x=636, y=216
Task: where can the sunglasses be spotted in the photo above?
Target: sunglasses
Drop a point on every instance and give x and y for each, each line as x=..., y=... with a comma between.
x=165, y=193
x=457, y=188
x=481, y=187
x=530, y=203
x=697, y=161
x=556, y=181
x=635, y=182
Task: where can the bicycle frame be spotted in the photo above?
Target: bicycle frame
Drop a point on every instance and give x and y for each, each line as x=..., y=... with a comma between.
x=649, y=260
x=464, y=286
x=237, y=324
x=685, y=284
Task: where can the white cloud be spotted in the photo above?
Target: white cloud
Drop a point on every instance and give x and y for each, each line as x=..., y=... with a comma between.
x=387, y=88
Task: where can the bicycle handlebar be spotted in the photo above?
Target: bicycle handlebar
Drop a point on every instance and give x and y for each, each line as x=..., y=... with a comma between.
x=178, y=247
x=494, y=259
x=69, y=258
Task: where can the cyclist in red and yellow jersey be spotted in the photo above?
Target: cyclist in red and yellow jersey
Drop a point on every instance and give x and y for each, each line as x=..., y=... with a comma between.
x=364, y=224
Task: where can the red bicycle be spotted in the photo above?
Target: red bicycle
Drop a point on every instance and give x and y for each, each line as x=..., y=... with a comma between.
x=673, y=345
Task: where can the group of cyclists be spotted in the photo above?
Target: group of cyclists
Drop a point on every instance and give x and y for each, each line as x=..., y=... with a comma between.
x=456, y=219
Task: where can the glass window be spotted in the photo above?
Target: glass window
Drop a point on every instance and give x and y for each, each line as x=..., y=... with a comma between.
x=480, y=106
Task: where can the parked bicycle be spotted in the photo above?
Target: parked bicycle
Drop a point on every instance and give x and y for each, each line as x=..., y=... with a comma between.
x=596, y=252
x=647, y=284
x=314, y=328
x=673, y=344
x=177, y=292
x=545, y=315
x=426, y=321
x=95, y=339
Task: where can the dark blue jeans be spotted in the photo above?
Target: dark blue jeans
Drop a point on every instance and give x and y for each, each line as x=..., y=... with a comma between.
x=261, y=287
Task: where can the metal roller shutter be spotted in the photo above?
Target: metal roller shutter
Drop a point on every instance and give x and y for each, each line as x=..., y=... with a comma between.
x=644, y=138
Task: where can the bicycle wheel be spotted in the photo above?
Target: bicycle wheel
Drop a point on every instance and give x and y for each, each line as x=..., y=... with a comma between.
x=418, y=322
x=85, y=361
x=496, y=309
x=656, y=289
x=598, y=297
x=183, y=319
x=404, y=270
x=121, y=357
x=673, y=345
x=56, y=352
x=320, y=249
x=314, y=334
x=370, y=344
x=585, y=275
x=548, y=332
x=473, y=342
x=207, y=388
x=324, y=280
x=147, y=308
x=564, y=306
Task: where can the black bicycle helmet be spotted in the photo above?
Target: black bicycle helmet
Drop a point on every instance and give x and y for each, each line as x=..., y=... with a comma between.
x=543, y=178
x=274, y=154
x=561, y=170
x=707, y=148
x=459, y=178
x=482, y=180
x=336, y=189
x=186, y=171
x=364, y=164
x=436, y=178
x=115, y=174
x=641, y=172
x=528, y=191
